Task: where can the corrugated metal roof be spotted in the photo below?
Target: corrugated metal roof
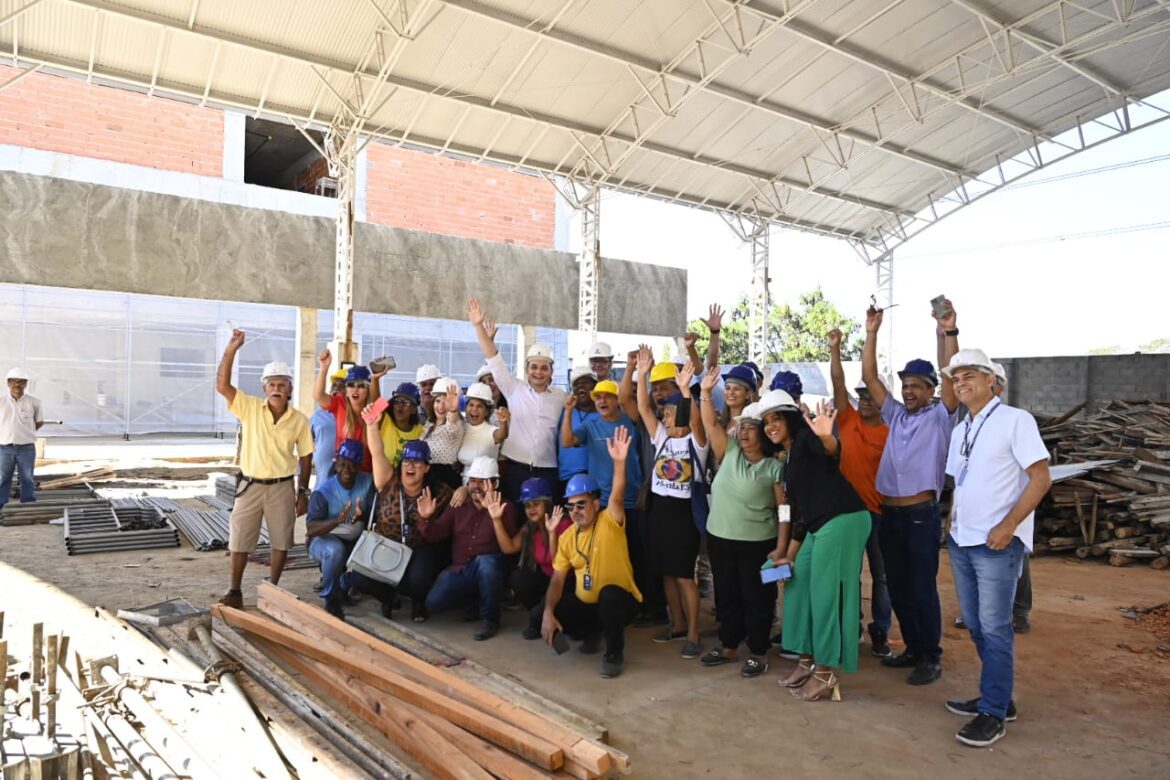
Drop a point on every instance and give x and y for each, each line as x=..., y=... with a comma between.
x=862, y=119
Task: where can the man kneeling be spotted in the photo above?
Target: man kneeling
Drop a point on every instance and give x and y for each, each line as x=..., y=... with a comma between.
x=338, y=510
x=604, y=600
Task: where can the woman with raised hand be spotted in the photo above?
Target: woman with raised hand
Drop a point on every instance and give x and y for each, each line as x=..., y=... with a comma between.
x=346, y=407
x=743, y=530
x=480, y=436
x=830, y=526
x=445, y=433
x=680, y=447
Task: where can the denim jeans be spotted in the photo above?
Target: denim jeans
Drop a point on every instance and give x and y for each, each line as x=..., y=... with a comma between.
x=332, y=553
x=985, y=582
x=910, y=544
x=879, y=593
x=481, y=580
x=22, y=457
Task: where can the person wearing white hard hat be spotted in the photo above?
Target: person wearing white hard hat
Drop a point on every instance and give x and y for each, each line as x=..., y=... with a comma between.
x=20, y=419
x=425, y=377
x=478, y=572
x=444, y=434
x=276, y=445
x=573, y=459
x=480, y=437
x=1000, y=466
x=484, y=374
x=600, y=357
x=531, y=447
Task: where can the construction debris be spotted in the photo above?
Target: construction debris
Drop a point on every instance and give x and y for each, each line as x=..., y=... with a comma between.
x=103, y=529
x=1119, y=509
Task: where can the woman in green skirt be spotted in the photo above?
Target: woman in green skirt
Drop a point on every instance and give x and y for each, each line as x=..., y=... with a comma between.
x=830, y=525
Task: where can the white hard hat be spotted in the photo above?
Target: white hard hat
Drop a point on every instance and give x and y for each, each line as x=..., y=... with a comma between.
x=539, y=351
x=1000, y=371
x=775, y=401
x=442, y=384
x=484, y=370
x=483, y=467
x=969, y=358
x=579, y=372
x=17, y=372
x=750, y=413
x=599, y=349
x=277, y=368
x=480, y=391
x=426, y=373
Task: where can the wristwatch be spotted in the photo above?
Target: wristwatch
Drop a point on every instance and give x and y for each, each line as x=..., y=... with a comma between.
x=951, y=332
x=302, y=491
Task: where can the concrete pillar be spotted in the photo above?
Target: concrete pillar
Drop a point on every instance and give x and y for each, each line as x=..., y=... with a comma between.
x=233, y=145
x=305, y=371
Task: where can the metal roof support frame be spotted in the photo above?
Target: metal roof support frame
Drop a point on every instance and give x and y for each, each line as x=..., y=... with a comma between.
x=884, y=295
x=589, y=262
x=755, y=232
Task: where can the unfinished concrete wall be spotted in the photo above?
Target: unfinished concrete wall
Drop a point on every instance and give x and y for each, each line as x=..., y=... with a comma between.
x=1053, y=385
x=63, y=233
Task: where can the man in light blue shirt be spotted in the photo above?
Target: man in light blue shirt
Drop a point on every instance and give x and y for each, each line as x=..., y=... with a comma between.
x=324, y=428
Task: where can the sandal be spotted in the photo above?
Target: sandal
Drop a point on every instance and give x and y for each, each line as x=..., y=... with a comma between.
x=753, y=667
x=793, y=681
x=830, y=686
x=714, y=657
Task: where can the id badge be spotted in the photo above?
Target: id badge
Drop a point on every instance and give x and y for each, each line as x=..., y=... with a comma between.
x=962, y=475
x=587, y=581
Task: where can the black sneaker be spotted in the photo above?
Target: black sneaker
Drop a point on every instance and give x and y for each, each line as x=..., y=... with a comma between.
x=925, y=672
x=388, y=609
x=982, y=731
x=970, y=708
x=753, y=667
x=419, y=612
x=1021, y=624
x=591, y=645
x=333, y=607
x=715, y=657
x=904, y=660
x=611, y=664
x=486, y=631
x=959, y=624
x=880, y=647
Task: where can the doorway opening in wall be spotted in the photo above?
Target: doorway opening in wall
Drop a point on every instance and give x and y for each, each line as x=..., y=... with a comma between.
x=277, y=155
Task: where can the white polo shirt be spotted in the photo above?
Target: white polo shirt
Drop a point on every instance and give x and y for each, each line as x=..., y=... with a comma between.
x=533, y=429
x=1001, y=442
x=18, y=419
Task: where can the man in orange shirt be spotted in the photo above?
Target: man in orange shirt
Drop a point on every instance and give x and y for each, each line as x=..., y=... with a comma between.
x=863, y=437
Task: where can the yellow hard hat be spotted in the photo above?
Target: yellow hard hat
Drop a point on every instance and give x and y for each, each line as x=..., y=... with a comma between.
x=338, y=375
x=663, y=371
x=606, y=386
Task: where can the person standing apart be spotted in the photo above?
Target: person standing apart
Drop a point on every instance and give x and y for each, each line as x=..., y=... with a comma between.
x=20, y=419
x=273, y=438
x=1000, y=467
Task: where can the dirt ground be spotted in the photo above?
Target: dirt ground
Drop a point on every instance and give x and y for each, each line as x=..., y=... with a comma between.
x=1092, y=687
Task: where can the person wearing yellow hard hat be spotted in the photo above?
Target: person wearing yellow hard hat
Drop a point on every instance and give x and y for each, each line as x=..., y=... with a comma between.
x=324, y=427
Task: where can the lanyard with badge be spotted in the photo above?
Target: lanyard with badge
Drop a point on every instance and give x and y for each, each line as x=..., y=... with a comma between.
x=967, y=449
x=587, y=580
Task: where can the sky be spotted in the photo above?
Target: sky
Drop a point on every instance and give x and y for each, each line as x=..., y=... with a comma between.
x=1024, y=279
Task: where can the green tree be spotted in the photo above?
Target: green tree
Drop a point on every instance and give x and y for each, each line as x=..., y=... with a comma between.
x=1159, y=346
x=794, y=334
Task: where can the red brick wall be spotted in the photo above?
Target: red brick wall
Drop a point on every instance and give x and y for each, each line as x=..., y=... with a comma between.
x=420, y=191
x=67, y=115
x=306, y=180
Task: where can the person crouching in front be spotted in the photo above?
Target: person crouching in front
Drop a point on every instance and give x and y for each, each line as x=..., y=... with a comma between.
x=338, y=511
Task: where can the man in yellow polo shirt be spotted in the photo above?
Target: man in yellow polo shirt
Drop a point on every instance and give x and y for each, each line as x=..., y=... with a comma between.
x=275, y=442
x=604, y=599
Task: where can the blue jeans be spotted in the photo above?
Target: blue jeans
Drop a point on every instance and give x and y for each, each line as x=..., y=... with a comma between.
x=879, y=594
x=910, y=538
x=17, y=456
x=482, y=579
x=985, y=582
x=332, y=553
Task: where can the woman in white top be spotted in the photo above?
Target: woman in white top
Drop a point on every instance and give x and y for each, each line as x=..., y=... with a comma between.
x=480, y=437
x=444, y=434
x=680, y=448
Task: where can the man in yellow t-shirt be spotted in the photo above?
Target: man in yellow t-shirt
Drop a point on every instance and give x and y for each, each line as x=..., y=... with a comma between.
x=276, y=443
x=604, y=599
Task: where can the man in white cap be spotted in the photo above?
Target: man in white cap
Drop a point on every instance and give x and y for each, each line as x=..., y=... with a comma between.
x=20, y=419
x=276, y=445
x=425, y=377
x=484, y=374
x=600, y=360
x=1000, y=467
x=531, y=448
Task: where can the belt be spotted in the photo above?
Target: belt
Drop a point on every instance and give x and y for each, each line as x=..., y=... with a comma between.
x=907, y=507
x=276, y=481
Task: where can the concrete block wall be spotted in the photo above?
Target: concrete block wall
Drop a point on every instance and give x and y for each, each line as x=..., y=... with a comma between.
x=65, y=115
x=1054, y=385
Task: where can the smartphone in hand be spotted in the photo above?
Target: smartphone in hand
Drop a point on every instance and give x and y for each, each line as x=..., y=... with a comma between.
x=939, y=304
x=560, y=642
x=371, y=415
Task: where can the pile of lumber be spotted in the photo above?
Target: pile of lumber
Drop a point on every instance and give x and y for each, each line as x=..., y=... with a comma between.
x=434, y=718
x=1118, y=512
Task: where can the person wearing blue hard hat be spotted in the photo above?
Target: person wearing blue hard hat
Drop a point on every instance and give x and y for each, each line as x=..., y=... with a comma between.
x=739, y=388
x=910, y=479
x=346, y=407
x=338, y=511
x=603, y=599
x=789, y=382
x=402, y=423
x=755, y=371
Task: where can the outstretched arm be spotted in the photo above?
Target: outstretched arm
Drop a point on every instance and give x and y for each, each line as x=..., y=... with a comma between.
x=716, y=433
x=567, y=437
x=948, y=347
x=626, y=391
x=619, y=450
x=837, y=371
x=223, y=375
x=645, y=404
x=822, y=426
x=324, y=360
x=869, y=367
x=715, y=325
x=683, y=380
x=478, y=317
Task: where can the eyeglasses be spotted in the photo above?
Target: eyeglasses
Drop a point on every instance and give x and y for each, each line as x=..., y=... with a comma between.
x=357, y=384
x=402, y=402
x=575, y=505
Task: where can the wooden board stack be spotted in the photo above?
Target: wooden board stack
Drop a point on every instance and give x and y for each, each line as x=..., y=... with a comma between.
x=1120, y=513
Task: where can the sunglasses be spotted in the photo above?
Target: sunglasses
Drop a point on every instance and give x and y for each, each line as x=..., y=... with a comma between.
x=402, y=402
x=357, y=384
x=574, y=505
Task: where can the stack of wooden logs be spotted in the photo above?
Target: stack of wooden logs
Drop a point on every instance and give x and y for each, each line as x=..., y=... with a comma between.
x=440, y=721
x=1121, y=512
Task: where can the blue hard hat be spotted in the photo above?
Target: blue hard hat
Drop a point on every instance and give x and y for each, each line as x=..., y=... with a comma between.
x=742, y=374
x=580, y=485
x=755, y=370
x=535, y=489
x=357, y=374
x=674, y=399
x=409, y=391
x=417, y=449
x=789, y=382
x=351, y=450
x=922, y=368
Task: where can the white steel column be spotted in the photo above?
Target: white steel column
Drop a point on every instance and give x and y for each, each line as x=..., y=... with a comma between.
x=758, y=301
x=589, y=262
x=884, y=295
x=341, y=148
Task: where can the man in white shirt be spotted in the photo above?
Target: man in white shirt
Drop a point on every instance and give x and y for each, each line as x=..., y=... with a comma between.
x=1000, y=467
x=535, y=406
x=20, y=419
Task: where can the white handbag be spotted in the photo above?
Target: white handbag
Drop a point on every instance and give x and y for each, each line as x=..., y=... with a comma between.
x=379, y=557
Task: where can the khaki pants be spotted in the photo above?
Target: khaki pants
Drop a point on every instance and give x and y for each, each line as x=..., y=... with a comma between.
x=277, y=504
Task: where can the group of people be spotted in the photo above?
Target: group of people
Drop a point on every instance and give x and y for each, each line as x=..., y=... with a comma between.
x=594, y=509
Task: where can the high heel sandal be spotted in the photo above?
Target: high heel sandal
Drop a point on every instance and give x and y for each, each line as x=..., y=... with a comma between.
x=832, y=686
x=799, y=681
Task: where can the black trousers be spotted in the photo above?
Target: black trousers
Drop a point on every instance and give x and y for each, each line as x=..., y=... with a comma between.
x=515, y=474
x=615, y=609
x=743, y=603
x=529, y=585
x=909, y=538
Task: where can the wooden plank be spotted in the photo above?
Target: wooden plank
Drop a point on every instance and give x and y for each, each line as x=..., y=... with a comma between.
x=587, y=753
x=535, y=749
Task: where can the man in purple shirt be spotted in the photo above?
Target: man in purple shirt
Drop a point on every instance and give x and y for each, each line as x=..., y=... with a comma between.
x=910, y=479
x=478, y=571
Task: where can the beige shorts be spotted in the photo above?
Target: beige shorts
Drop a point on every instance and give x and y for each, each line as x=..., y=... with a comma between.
x=276, y=504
